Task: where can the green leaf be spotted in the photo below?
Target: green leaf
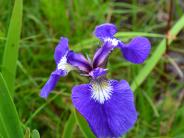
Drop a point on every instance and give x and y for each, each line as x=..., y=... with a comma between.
x=3, y=132
x=12, y=45
x=84, y=127
x=133, y=34
x=69, y=126
x=10, y=123
x=35, y=134
x=157, y=54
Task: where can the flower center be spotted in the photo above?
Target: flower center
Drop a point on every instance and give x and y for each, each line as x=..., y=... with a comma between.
x=101, y=90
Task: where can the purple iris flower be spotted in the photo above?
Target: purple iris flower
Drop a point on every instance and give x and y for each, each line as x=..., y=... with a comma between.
x=62, y=67
x=136, y=51
x=107, y=105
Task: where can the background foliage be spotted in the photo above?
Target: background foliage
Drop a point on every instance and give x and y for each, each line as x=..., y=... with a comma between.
x=158, y=84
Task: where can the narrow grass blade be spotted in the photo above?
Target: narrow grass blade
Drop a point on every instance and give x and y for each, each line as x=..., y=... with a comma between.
x=12, y=44
x=151, y=104
x=88, y=43
x=39, y=109
x=133, y=34
x=84, y=127
x=8, y=113
x=157, y=54
x=69, y=126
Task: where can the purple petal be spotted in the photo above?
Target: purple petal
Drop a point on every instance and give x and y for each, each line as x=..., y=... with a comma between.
x=97, y=72
x=101, y=55
x=114, y=117
x=51, y=83
x=61, y=49
x=137, y=50
x=79, y=61
x=106, y=30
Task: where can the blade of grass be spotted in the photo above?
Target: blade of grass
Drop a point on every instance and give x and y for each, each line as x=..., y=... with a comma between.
x=69, y=126
x=157, y=54
x=39, y=109
x=84, y=127
x=12, y=45
x=151, y=104
x=132, y=34
x=86, y=44
x=8, y=113
x=19, y=64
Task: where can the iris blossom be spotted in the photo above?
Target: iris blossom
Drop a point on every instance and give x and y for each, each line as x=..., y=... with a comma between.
x=62, y=67
x=136, y=51
x=107, y=105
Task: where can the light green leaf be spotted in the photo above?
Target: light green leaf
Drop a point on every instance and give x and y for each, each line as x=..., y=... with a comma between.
x=10, y=123
x=133, y=34
x=69, y=126
x=88, y=43
x=84, y=127
x=12, y=45
x=3, y=131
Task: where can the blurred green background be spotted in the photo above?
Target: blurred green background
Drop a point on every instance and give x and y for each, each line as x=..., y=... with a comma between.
x=159, y=98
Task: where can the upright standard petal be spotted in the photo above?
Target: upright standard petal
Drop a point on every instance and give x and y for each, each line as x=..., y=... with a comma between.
x=137, y=50
x=106, y=30
x=61, y=49
x=108, y=108
x=79, y=61
x=51, y=83
x=101, y=55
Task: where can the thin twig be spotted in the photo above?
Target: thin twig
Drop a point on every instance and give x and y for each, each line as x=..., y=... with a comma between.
x=168, y=27
x=168, y=35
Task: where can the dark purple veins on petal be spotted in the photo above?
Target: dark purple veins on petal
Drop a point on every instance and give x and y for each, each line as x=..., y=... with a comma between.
x=101, y=55
x=79, y=61
x=114, y=117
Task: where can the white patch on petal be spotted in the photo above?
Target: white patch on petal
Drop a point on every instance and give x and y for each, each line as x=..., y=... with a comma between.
x=63, y=65
x=113, y=41
x=101, y=90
